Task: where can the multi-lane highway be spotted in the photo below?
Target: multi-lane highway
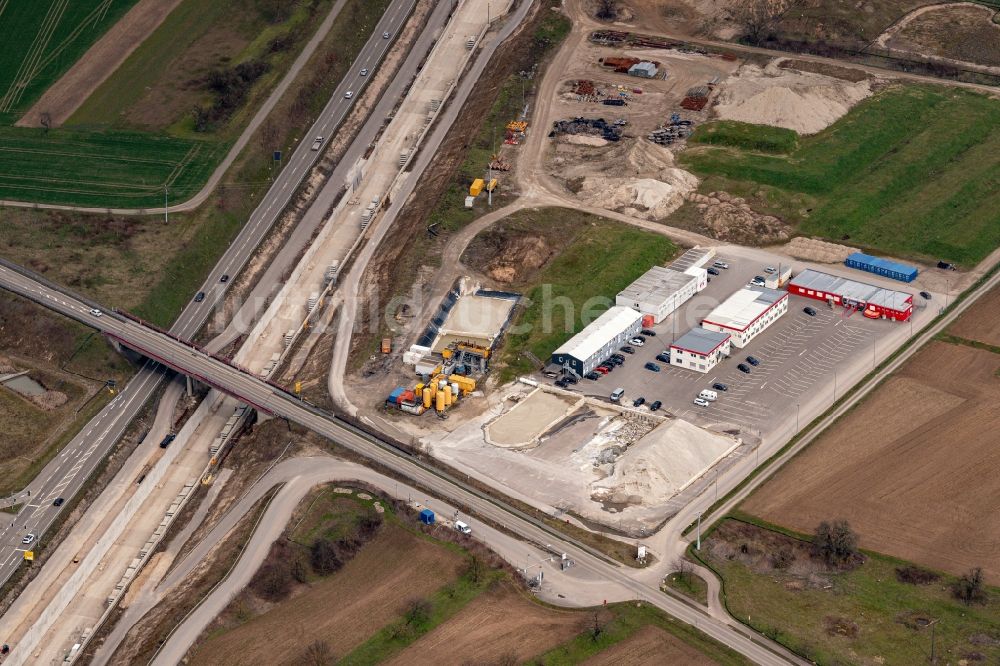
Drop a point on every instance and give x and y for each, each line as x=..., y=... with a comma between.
x=64, y=475
x=248, y=388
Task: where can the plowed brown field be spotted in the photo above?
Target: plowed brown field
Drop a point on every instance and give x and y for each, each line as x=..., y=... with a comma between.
x=650, y=646
x=913, y=468
x=982, y=322
x=343, y=610
x=496, y=625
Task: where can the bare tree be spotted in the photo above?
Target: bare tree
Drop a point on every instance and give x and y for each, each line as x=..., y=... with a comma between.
x=969, y=587
x=418, y=611
x=324, y=558
x=607, y=9
x=596, y=627
x=835, y=542
x=318, y=653
x=759, y=17
x=45, y=119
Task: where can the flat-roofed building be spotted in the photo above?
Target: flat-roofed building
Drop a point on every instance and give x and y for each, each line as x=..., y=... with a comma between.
x=700, y=349
x=746, y=313
x=658, y=292
x=875, y=302
x=598, y=340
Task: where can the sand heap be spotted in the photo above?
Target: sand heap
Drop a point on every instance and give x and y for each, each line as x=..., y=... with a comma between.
x=660, y=464
x=636, y=177
x=800, y=101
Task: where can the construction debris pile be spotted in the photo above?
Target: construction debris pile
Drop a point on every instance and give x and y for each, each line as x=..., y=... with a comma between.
x=696, y=98
x=589, y=126
x=615, y=95
x=666, y=134
x=515, y=131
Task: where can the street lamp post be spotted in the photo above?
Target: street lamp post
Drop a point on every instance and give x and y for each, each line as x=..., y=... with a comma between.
x=165, y=219
x=796, y=417
x=698, y=541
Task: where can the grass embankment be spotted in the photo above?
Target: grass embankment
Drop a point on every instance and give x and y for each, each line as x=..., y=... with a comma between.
x=586, y=261
x=56, y=352
x=170, y=112
x=910, y=172
x=38, y=44
x=689, y=584
x=757, y=138
x=863, y=615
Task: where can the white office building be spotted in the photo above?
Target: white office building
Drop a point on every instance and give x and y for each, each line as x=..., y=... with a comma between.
x=746, y=313
x=658, y=292
x=699, y=350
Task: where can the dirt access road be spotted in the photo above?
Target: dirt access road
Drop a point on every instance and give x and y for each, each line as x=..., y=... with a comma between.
x=299, y=476
x=99, y=62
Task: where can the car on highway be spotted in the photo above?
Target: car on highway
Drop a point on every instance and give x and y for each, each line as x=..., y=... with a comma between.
x=364, y=72
x=199, y=297
x=385, y=35
x=663, y=357
x=96, y=312
x=655, y=405
x=713, y=271
x=701, y=402
x=224, y=278
x=649, y=333
x=58, y=501
x=719, y=386
x=743, y=367
x=349, y=94
x=652, y=366
x=628, y=350
x=809, y=311
x=593, y=376
x=637, y=341
x=925, y=295
x=753, y=360
x=317, y=143
x=28, y=539
x=639, y=402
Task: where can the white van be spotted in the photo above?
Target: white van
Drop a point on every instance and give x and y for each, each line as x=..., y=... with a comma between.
x=462, y=527
x=616, y=395
x=711, y=396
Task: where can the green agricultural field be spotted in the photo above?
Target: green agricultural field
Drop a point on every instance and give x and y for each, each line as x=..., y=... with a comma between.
x=41, y=39
x=101, y=168
x=911, y=172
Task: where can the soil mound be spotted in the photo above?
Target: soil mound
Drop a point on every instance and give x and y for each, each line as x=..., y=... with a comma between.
x=801, y=101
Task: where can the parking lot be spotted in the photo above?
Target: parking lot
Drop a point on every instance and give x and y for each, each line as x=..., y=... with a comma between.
x=800, y=357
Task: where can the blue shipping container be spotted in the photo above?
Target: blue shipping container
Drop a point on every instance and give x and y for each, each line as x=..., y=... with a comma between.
x=394, y=396
x=427, y=517
x=879, y=266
